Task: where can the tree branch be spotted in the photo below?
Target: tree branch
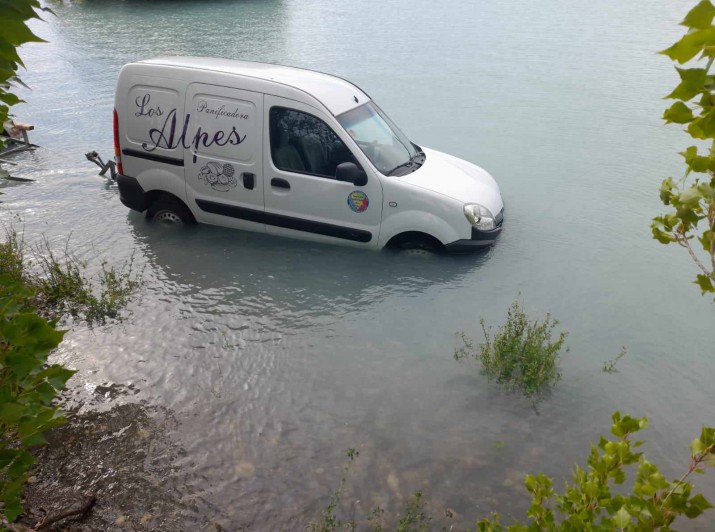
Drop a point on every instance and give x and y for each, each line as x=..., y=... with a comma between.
x=80, y=510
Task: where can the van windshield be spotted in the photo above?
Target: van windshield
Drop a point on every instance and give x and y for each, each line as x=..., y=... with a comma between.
x=378, y=138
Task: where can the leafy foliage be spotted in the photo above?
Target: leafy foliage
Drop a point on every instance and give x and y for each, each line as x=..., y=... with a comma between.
x=329, y=521
x=588, y=503
x=61, y=287
x=27, y=388
x=691, y=222
x=610, y=365
x=414, y=518
x=14, y=15
x=595, y=499
x=521, y=355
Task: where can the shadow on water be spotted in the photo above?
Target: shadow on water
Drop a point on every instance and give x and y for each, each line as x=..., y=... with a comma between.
x=287, y=277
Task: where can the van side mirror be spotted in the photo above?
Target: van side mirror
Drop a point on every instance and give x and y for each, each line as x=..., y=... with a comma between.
x=351, y=173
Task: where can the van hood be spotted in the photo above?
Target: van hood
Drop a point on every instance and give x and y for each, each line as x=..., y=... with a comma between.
x=456, y=178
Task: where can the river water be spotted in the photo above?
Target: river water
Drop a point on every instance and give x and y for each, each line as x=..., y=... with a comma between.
x=279, y=355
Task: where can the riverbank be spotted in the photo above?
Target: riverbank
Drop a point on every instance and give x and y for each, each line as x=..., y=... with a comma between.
x=123, y=457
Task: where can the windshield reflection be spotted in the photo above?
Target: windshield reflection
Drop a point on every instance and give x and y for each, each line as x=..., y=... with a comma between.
x=378, y=137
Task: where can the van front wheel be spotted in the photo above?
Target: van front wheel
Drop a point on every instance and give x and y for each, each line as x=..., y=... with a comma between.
x=169, y=212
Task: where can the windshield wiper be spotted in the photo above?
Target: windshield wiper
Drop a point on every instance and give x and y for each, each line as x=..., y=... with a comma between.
x=413, y=160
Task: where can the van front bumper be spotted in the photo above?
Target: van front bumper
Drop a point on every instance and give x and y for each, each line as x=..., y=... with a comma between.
x=479, y=240
x=131, y=193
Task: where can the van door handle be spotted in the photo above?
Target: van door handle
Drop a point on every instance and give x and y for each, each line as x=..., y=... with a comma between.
x=280, y=183
x=249, y=180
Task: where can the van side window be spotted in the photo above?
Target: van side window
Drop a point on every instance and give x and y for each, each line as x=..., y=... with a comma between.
x=305, y=144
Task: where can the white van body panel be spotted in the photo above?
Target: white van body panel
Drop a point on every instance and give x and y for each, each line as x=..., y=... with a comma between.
x=467, y=182
x=408, y=208
x=144, y=101
x=223, y=166
x=197, y=131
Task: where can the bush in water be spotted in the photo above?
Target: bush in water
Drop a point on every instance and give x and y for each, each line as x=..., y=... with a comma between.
x=521, y=355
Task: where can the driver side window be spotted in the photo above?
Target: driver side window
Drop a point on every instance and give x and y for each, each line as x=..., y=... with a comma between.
x=303, y=143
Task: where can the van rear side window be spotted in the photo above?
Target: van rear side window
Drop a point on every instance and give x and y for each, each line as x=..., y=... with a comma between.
x=303, y=143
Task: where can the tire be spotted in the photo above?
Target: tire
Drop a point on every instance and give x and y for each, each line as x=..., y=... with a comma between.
x=169, y=212
x=417, y=248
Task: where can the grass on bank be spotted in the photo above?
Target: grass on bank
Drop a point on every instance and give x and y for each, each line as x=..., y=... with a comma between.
x=60, y=284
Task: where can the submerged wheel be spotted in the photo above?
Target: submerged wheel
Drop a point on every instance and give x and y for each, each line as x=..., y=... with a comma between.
x=169, y=212
x=415, y=243
x=418, y=248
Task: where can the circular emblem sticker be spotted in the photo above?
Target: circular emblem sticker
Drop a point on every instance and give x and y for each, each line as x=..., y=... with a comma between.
x=358, y=201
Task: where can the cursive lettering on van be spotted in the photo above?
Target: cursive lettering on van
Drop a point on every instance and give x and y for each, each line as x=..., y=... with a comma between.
x=142, y=102
x=166, y=138
x=203, y=107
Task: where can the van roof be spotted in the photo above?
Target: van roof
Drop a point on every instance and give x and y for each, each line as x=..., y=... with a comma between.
x=337, y=94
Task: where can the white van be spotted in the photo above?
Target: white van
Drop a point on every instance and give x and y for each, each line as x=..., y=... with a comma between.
x=289, y=152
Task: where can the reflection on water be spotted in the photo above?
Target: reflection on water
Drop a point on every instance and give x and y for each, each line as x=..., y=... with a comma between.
x=278, y=355
x=294, y=284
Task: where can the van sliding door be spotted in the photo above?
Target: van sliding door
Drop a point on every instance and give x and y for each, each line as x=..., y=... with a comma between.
x=222, y=135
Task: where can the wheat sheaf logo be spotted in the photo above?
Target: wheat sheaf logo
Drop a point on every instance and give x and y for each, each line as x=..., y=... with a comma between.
x=219, y=176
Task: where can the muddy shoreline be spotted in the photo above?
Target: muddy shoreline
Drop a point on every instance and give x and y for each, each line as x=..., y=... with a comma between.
x=123, y=455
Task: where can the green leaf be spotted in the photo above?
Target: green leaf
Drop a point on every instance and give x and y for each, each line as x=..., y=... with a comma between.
x=705, y=282
x=696, y=447
x=10, y=99
x=690, y=198
x=622, y=518
x=703, y=127
x=698, y=504
x=11, y=412
x=17, y=33
x=678, y=113
x=707, y=435
x=14, y=10
x=667, y=186
x=60, y=377
x=34, y=439
x=692, y=82
x=690, y=44
x=701, y=16
x=696, y=163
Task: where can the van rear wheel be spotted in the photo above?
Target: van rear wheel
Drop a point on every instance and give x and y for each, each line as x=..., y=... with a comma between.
x=169, y=212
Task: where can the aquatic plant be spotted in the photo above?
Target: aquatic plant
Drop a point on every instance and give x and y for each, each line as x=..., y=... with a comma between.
x=329, y=520
x=691, y=222
x=61, y=287
x=610, y=365
x=521, y=355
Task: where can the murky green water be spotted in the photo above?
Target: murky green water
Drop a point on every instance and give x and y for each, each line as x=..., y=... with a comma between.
x=278, y=355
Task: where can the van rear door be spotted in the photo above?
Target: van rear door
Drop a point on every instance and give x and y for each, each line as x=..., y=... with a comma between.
x=223, y=156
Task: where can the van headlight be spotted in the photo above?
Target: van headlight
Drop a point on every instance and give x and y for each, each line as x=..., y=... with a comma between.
x=479, y=216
